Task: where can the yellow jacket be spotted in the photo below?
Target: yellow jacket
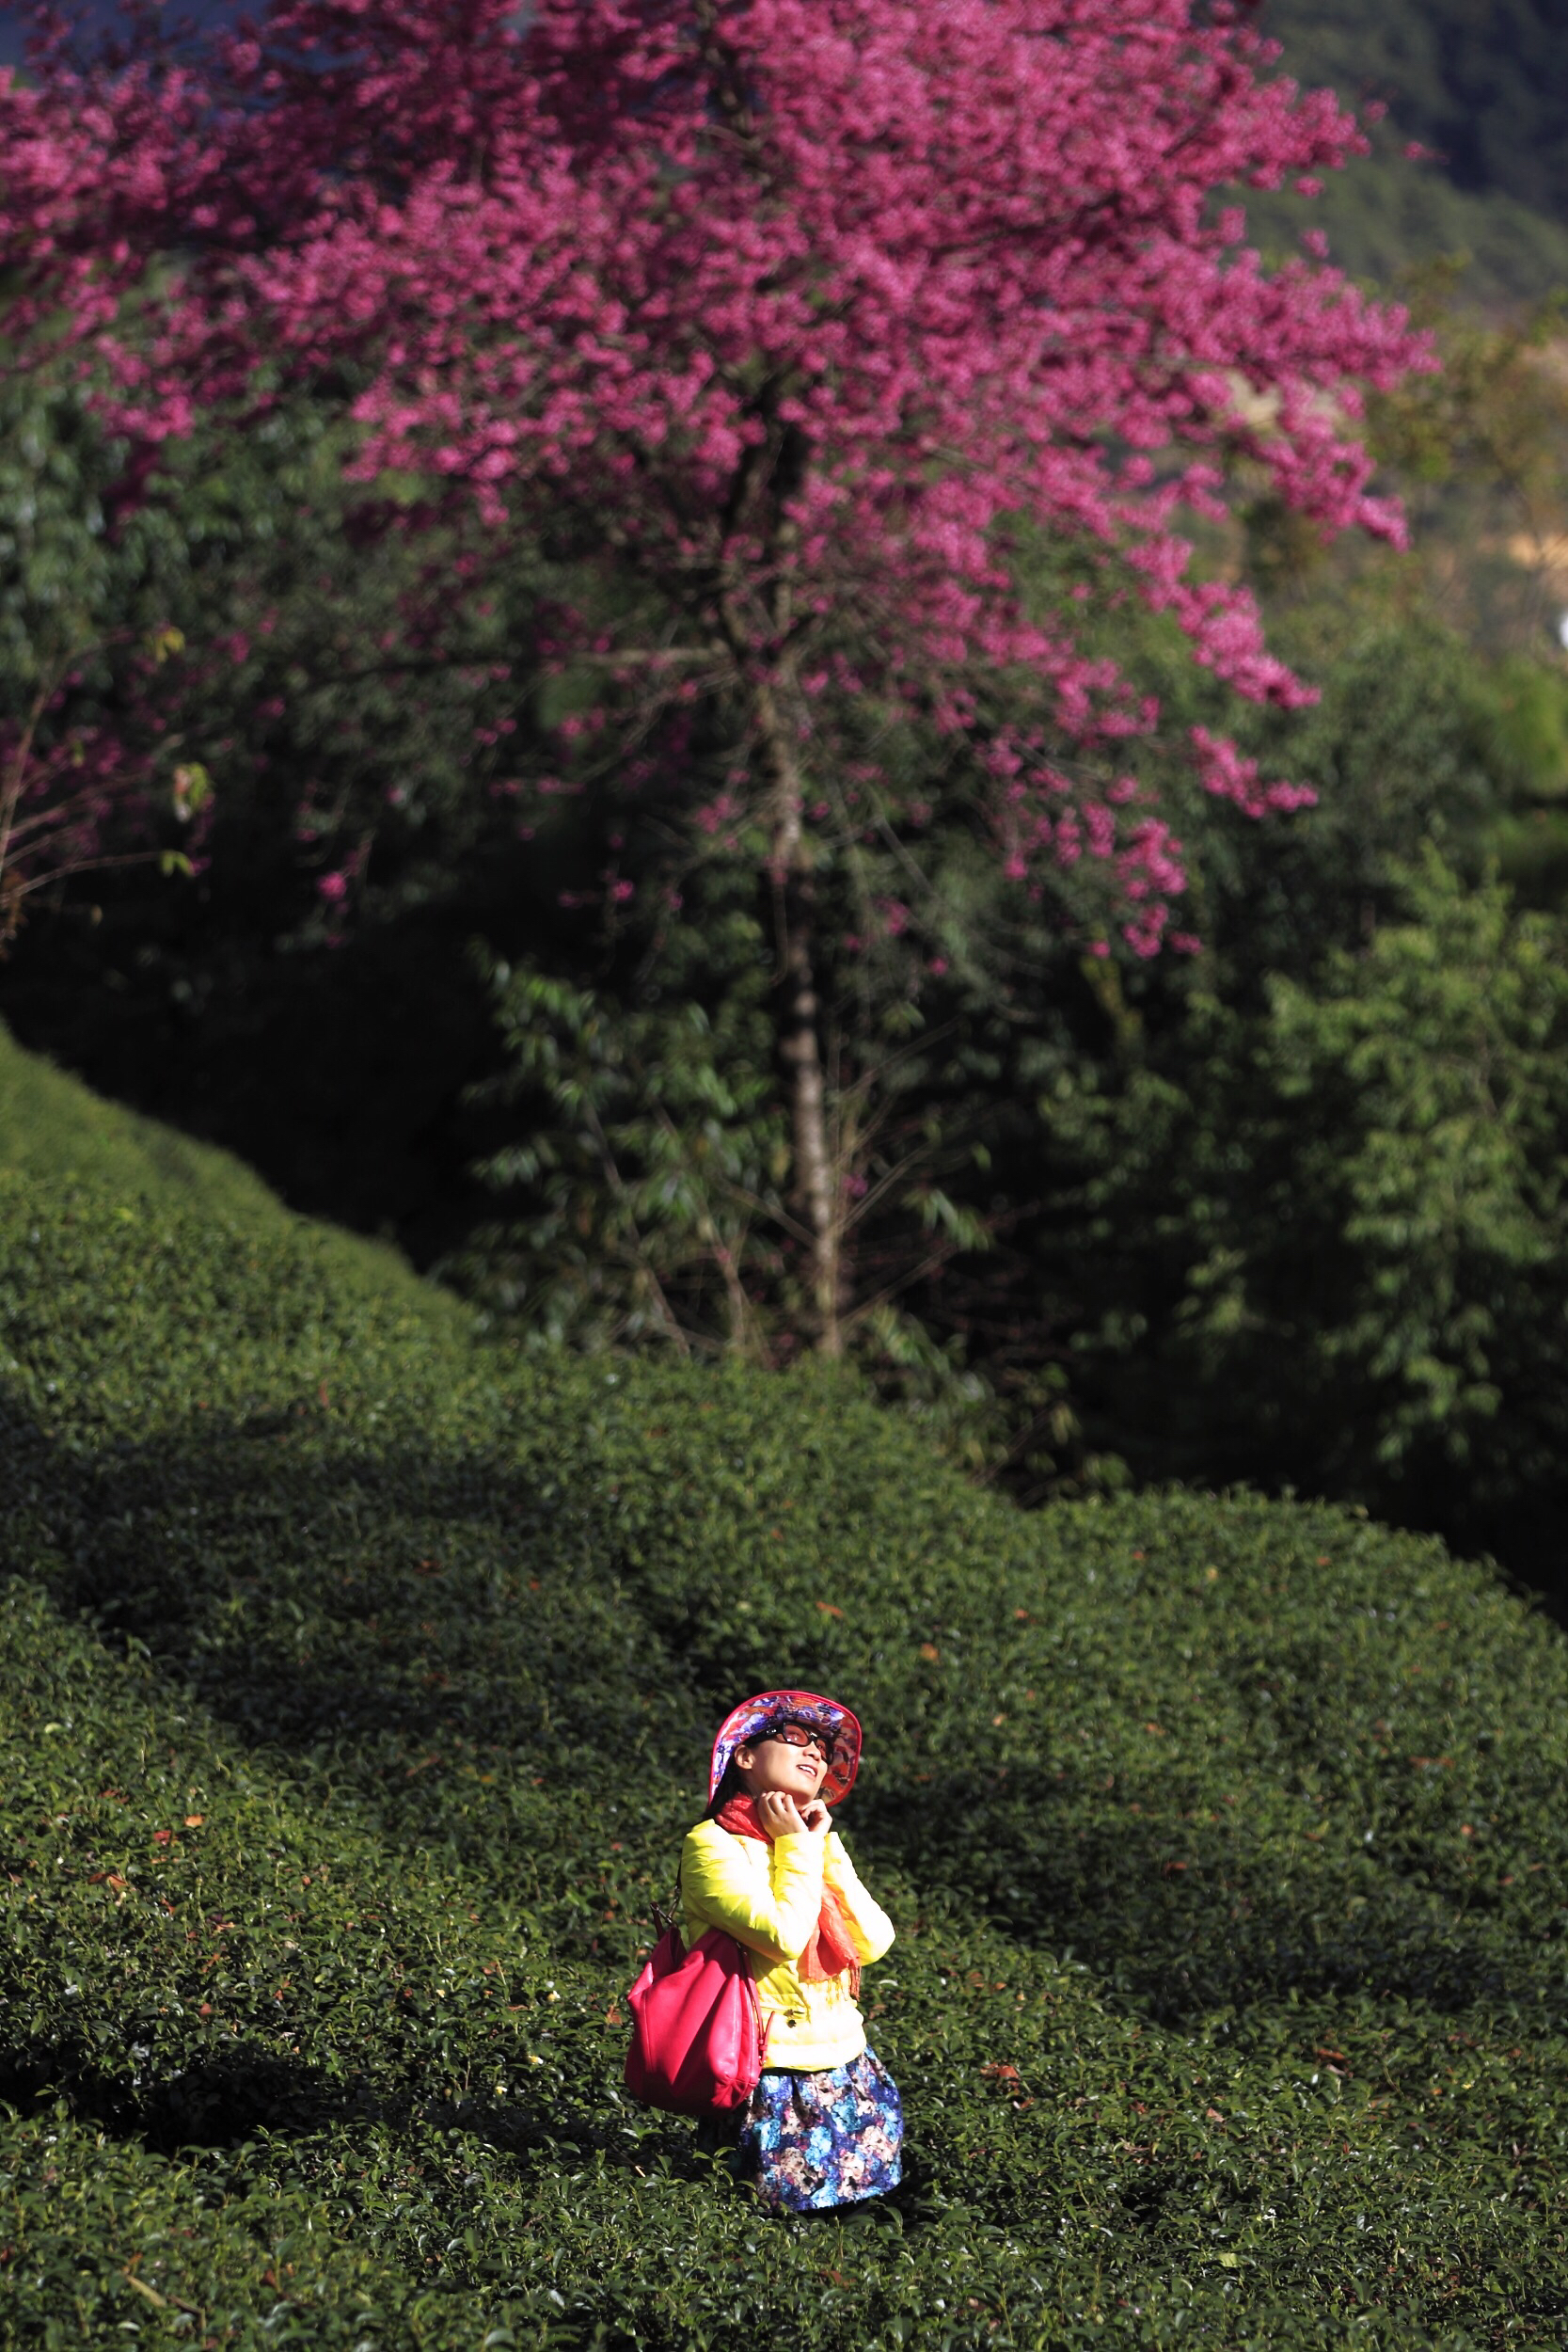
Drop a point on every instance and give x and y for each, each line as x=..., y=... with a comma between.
x=768, y=1897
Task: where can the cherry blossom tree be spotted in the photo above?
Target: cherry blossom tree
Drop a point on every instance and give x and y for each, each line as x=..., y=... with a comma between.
x=804, y=320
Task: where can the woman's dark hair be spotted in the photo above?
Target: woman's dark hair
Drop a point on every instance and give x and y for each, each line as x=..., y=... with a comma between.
x=730, y=1785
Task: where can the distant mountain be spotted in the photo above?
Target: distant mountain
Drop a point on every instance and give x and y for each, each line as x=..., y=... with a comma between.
x=1485, y=82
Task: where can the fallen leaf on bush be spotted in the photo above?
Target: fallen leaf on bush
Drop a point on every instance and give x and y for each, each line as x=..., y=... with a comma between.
x=997, y=2072
x=828, y=1609
x=929, y=1650
x=194, y=1820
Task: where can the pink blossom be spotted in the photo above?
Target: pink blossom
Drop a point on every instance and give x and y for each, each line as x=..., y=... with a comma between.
x=975, y=244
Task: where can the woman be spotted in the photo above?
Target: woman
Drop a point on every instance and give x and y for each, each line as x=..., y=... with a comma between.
x=823, y=2127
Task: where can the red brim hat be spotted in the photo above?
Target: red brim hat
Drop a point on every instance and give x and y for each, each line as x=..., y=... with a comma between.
x=751, y=1718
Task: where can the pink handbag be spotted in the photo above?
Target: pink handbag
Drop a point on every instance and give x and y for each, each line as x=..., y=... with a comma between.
x=697, y=2035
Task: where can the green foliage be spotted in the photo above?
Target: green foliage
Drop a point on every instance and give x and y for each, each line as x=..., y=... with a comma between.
x=1434, y=1066
x=1480, y=450
x=1349, y=1212
x=356, y=1687
x=1385, y=215
x=56, y=559
x=655, y=1161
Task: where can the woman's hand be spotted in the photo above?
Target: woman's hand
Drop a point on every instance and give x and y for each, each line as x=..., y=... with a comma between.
x=780, y=1817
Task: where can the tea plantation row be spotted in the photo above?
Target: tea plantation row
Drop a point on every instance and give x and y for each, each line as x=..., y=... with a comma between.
x=356, y=1683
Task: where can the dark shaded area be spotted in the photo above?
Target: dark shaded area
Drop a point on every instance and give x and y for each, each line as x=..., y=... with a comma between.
x=218, y=2103
x=339, y=1074
x=98, y=16
x=351, y=1667
x=1186, y=1919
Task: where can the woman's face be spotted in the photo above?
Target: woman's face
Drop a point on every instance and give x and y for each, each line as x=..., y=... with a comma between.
x=774, y=1764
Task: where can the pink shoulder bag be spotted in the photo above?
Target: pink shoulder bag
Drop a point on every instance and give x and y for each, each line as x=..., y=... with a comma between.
x=697, y=2035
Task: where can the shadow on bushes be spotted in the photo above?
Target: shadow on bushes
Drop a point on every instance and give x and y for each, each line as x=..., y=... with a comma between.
x=1187, y=1923
x=328, y=1594
x=219, y=2102
x=570, y=2133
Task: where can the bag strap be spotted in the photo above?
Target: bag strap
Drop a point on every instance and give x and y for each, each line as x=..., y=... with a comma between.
x=671, y=1916
x=673, y=1913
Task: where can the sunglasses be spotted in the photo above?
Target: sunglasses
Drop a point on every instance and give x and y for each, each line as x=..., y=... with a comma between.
x=802, y=1736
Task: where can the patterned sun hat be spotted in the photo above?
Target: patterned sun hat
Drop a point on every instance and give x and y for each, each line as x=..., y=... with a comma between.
x=753, y=1718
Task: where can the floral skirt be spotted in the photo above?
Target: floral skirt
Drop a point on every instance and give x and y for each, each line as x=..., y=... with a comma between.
x=810, y=2141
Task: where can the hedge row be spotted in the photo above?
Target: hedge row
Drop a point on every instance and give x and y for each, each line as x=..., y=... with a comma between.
x=356, y=1684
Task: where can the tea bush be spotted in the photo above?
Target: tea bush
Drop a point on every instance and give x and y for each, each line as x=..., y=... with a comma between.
x=357, y=1685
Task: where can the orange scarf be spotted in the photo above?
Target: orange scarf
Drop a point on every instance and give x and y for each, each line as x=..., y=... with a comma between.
x=831, y=1949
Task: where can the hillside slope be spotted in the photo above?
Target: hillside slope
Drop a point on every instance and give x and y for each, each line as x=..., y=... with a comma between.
x=356, y=1684
x=55, y=1130
x=1482, y=82
x=1484, y=88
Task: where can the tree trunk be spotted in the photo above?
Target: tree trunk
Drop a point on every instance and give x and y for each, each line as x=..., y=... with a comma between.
x=799, y=1040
